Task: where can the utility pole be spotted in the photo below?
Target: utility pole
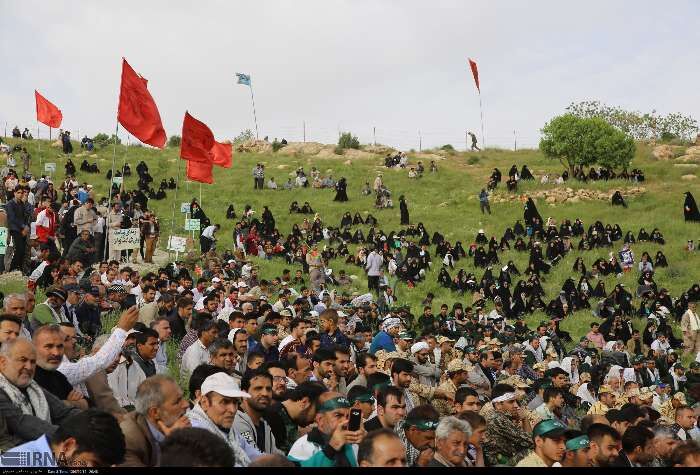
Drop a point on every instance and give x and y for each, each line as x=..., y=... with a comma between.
x=374, y=135
x=466, y=140
x=304, y=131
x=420, y=142
x=515, y=141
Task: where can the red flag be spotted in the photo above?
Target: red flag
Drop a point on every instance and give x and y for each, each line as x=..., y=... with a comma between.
x=197, y=140
x=221, y=154
x=200, y=171
x=46, y=112
x=475, y=73
x=138, y=112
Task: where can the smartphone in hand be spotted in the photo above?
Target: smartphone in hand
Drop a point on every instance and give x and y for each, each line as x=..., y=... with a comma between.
x=355, y=420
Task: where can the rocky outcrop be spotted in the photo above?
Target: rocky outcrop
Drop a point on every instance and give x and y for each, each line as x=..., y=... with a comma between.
x=568, y=195
x=667, y=152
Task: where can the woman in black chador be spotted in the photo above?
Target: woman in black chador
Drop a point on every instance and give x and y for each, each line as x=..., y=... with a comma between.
x=690, y=208
x=530, y=212
x=404, y=211
x=618, y=200
x=340, y=190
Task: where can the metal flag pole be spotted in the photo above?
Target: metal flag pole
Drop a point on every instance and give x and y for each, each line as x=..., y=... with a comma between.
x=109, y=192
x=255, y=117
x=38, y=142
x=172, y=222
x=481, y=110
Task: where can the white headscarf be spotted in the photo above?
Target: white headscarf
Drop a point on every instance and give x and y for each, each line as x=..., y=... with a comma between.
x=567, y=365
x=585, y=394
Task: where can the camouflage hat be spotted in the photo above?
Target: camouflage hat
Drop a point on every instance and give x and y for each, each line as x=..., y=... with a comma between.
x=605, y=389
x=456, y=365
x=694, y=365
x=638, y=359
x=444, y=339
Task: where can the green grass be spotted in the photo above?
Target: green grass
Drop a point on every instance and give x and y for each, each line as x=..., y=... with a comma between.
x=444, y=202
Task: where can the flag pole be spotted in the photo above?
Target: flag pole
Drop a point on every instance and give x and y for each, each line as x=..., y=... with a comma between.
x=109, y=193
x=255, y=117
x=38, y=142
x=481, y=110
x=172, y=221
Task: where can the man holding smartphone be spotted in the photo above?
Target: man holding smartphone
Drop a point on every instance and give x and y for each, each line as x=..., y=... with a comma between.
x=331, y=443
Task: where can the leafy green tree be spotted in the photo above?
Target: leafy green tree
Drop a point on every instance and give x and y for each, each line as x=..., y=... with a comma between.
x=579, y=142
x=174, y=141
x=347, y=140
x=103, y=140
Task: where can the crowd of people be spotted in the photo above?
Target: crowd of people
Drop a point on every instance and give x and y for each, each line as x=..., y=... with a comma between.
x=206, y=362
x=601, y=173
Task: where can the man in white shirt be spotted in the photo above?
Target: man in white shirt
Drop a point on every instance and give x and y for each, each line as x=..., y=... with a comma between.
x=207, y=238
x=198, y=352
x=660, y=346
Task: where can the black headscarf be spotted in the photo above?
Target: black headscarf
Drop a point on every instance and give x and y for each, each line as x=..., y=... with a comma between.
x=690, y=208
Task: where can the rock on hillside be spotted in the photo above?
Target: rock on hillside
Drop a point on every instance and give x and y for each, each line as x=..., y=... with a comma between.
x=667, y=152
x=692, y=154
x=311, y=149
x=569, y=195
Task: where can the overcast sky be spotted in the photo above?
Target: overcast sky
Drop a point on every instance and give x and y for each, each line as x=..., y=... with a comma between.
x=399, y=66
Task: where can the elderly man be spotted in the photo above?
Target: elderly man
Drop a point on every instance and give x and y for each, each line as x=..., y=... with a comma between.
x=30, y=410
x=451, y=443
x=330, y=443
x=216, y=411
x=384, y=340
x=428, y=373
x=159, y=410
x=51, y=310
x=82, y=249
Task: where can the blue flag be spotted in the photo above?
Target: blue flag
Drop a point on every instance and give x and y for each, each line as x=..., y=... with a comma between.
x=243, y=79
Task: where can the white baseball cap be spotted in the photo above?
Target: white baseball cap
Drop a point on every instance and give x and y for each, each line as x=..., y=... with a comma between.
x=216, y=279
x=223, y=384
x=242, y=284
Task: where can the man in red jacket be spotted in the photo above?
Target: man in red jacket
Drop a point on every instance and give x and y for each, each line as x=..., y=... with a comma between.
x=46, y=225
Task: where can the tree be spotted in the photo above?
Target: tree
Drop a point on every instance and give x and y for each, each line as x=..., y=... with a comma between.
x=244, y=136
x=347, y=140
x=579, y=142
x=103, y=140
x=174, y=141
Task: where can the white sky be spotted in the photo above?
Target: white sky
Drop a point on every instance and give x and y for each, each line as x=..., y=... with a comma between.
x=399, y=66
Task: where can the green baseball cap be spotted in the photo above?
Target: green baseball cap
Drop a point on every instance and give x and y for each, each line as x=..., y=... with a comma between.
x=578, y=443
x=638, y=359
x=549, y=428
x=694, y=365
x=405, y=336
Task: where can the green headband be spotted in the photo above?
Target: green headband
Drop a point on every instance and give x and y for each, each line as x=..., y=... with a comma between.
x=380, y=386
x=335, y=403
x=578, y=443
x=421, y=424
x=269, y=331
x=364, y=397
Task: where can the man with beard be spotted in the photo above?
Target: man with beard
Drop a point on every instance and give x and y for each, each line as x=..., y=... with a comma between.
x=136, y=367
x=427, y=372
x=249, y=422
x=550, y=444
x=88, y=313
x=323, y=364
x=239, y=337
x=604, y=442
x=330, y=443
x=51, y=310
x=296, y=410
x=637, y=448
x=508, y=429
x=341, y=368
x=29, y=410
x=48, y=342
x=665, y=441
x=279, y=379
x=451, y=443
x=577, y=449
x=417, y=433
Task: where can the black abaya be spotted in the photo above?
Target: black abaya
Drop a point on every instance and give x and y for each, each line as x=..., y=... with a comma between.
x=530, y=212
x=690, y=208
x=404, y=212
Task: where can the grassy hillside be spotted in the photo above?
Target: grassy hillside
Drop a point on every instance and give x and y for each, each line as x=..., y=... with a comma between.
x=445, y=201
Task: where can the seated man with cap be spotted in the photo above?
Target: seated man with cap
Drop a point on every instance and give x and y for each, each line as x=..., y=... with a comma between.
x=330, y=443
x=51, y=310
x=457, y=373
x=606, y=401
x=577, y=447
x=216, y=410
x=550, y=444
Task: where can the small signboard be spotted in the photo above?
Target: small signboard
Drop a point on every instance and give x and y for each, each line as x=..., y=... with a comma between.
x=120, y=239
x=3, y=241
x=118, y=180
x=192, y=225
x=184, y=207
x=177, y=244
x=50, y=167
